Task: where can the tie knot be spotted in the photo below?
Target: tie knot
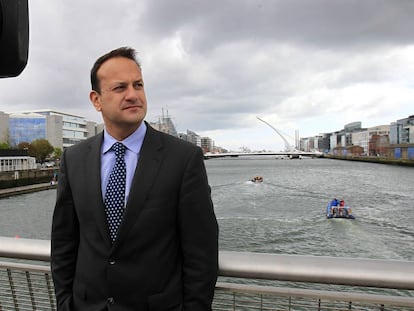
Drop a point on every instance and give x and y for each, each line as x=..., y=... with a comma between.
x=119, y=149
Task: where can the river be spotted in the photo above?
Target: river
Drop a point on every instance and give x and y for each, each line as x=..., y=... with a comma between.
x=286, y=213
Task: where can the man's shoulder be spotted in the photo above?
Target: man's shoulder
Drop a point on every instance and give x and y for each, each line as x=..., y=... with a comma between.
x=171, y=141
x=85, y=144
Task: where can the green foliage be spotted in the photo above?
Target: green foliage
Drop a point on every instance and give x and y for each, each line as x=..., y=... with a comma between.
x=4, y=145
x=57, y=153
x=40, y=149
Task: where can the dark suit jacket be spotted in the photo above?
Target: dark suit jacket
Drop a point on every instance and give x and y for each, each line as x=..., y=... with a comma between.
x=166, y=253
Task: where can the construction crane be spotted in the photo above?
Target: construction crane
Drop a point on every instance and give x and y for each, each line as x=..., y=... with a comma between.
x=288, y=147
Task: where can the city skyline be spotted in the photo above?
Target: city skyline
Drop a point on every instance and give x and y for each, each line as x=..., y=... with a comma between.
x=165, y=123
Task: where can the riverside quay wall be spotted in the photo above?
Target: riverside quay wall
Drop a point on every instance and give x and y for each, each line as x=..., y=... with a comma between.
x=19, y=178
x=380, y=160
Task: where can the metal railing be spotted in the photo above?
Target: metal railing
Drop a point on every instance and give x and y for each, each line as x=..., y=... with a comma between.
x=248, y=281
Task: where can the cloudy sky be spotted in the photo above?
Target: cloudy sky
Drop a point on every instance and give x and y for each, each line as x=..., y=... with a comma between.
x=215, y=66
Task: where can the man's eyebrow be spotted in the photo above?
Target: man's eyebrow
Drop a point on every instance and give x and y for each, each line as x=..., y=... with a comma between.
x=126, y=82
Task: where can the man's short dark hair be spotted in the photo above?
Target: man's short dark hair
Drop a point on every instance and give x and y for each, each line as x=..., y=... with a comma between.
x=120, y=52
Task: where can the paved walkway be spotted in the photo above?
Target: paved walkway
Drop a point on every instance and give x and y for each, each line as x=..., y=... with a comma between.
x=25, y=189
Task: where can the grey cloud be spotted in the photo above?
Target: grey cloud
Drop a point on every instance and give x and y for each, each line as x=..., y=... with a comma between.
x=319, y=23
x=217, y=64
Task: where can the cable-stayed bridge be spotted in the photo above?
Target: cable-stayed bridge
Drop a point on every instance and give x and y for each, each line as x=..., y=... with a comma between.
x=290, y=151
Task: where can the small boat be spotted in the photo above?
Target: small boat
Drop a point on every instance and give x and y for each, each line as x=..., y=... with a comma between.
x=338, y=209
x=257, y=179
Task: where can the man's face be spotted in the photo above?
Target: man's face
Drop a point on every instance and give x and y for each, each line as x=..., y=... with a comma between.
x=122, y=100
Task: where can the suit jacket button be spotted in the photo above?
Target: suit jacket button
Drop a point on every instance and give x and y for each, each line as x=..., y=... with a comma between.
x=111, y=300
x=111, y=262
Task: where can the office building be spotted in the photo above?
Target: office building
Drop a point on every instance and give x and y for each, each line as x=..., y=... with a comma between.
x=402, y=131
x=374, y=140
x=60, y=129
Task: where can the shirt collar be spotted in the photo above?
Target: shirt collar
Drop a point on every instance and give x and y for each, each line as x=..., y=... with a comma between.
x=133, y=142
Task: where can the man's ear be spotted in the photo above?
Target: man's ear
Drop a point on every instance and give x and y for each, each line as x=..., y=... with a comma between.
x=14, y=37
x=95, y=99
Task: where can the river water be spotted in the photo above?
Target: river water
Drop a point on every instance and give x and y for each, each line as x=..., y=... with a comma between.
x=286, y=213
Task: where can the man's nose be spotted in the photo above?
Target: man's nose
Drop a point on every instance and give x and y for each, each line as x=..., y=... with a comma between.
x=131, y=93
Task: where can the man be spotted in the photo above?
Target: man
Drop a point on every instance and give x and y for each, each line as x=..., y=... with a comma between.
x=164, y=253
x=331, y=208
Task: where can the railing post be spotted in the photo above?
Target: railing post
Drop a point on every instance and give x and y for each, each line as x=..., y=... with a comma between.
x=50, y=291
x=261, y=302
x=30, y=287
x=12, y=289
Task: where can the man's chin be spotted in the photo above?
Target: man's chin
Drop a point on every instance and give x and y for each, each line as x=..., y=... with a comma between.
x=134, y=115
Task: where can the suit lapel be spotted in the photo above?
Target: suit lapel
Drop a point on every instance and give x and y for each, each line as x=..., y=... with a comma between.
x=93, y=173
x=147, y=169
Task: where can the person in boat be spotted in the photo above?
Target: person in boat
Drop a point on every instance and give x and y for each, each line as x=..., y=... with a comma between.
x=345, y=210
x=257, y=179
x=338, y=209
x=342, y=211
x=332, y=207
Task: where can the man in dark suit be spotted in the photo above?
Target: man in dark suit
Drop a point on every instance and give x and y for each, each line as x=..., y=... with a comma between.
x=164, y=254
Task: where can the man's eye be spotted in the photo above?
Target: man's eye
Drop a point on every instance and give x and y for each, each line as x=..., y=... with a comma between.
x=138, y=85
x=119, y=88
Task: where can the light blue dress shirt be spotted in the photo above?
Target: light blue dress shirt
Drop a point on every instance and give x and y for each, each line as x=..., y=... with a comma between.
x=133, y=143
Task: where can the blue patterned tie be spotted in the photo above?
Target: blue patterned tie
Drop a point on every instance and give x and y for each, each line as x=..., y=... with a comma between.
x=115, y=191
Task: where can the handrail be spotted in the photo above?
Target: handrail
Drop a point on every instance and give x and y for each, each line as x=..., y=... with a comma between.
x=31, y=249
x=299, y=268
x=319, y=269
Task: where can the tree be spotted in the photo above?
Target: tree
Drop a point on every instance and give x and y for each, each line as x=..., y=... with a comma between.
x=24, y=145
x=40, y=149
x=57, y=153
x=4, y=145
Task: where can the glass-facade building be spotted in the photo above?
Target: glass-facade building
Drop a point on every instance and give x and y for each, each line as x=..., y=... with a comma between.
x=26, y=128
x=402, y=131
x=62, y=130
